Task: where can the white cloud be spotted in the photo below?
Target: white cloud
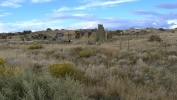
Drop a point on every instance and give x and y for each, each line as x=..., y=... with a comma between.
x=26, y=24
x=5, y=14
x=154, y=23
x=40, y=1
x=62, y=9
x=84, y=25
x=34, y=23
x=173, y=22
x=96, y=3
x=16, y=3
x=174, y=26
x=29, y=25
x=1, y=28
x=108, y=23
x=79, y=14
x=11, y=3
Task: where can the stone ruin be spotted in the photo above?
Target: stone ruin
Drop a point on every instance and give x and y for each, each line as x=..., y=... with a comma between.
x=58, y=36
x=109, y=35
x=119, y=32
x=69, y=36
x=79, y=34
x=25, y=38
x=100, y=34
x=89, y=34
x=41, y=37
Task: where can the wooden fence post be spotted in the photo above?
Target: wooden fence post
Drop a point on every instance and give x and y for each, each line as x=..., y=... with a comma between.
x=120, y=44
x=97, y=44
x=128, y=44
x=165, y=46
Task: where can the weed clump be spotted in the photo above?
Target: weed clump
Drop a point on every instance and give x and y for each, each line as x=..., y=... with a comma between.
x=87, y=53
x=9, y=71
x=39, y=46
x=108, y=52
x=153, y=38
x=155, y=55
x=6, y=70
x=76, y=50
x=64, y=69
x=2, y=62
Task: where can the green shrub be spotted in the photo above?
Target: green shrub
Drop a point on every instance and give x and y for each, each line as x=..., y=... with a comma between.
x=39, y=46
x=29, y=86
x=86, y=53
x=27, y=31
x=168, y=44
x=63, y=69
x=2, y=62
x=155, y=55
x=56, y=30
x=48, y=29
x=153, y=38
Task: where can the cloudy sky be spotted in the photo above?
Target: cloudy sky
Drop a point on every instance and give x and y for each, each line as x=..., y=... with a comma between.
x=19, y=15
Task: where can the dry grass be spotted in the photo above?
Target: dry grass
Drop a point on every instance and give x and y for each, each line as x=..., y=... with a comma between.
x=145, y=71
x=109, y=52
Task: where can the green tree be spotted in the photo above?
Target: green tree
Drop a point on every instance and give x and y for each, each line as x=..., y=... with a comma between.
x=49, y=29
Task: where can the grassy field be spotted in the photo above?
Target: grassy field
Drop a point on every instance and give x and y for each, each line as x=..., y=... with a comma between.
x=127, y=68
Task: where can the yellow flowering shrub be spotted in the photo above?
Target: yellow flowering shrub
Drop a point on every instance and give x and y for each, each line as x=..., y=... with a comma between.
x=38, y=46
x=87, y=53
x=7, y=70
x=2, y=62
x=63, y=69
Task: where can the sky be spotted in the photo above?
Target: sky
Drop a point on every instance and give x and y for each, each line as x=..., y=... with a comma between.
x=36, y=15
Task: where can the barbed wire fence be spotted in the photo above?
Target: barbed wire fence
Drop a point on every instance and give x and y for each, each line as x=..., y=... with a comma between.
x=165, y=45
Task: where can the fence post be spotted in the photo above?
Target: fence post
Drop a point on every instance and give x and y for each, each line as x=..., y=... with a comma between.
x=148, y=47
x=128, y=44
x=97, y=44
x=165, y=46
x=120, y=44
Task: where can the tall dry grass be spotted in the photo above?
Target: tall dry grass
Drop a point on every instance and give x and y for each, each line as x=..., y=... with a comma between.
x=140, y=73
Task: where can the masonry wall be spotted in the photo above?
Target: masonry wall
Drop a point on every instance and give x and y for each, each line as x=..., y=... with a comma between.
x=100, y=34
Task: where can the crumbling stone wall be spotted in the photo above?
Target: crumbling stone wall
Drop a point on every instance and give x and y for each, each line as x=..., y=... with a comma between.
x=100, y=34
x=109, y=36
x=79, y=34
x=89, y=34
x=41, y=37
x=69, y=36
